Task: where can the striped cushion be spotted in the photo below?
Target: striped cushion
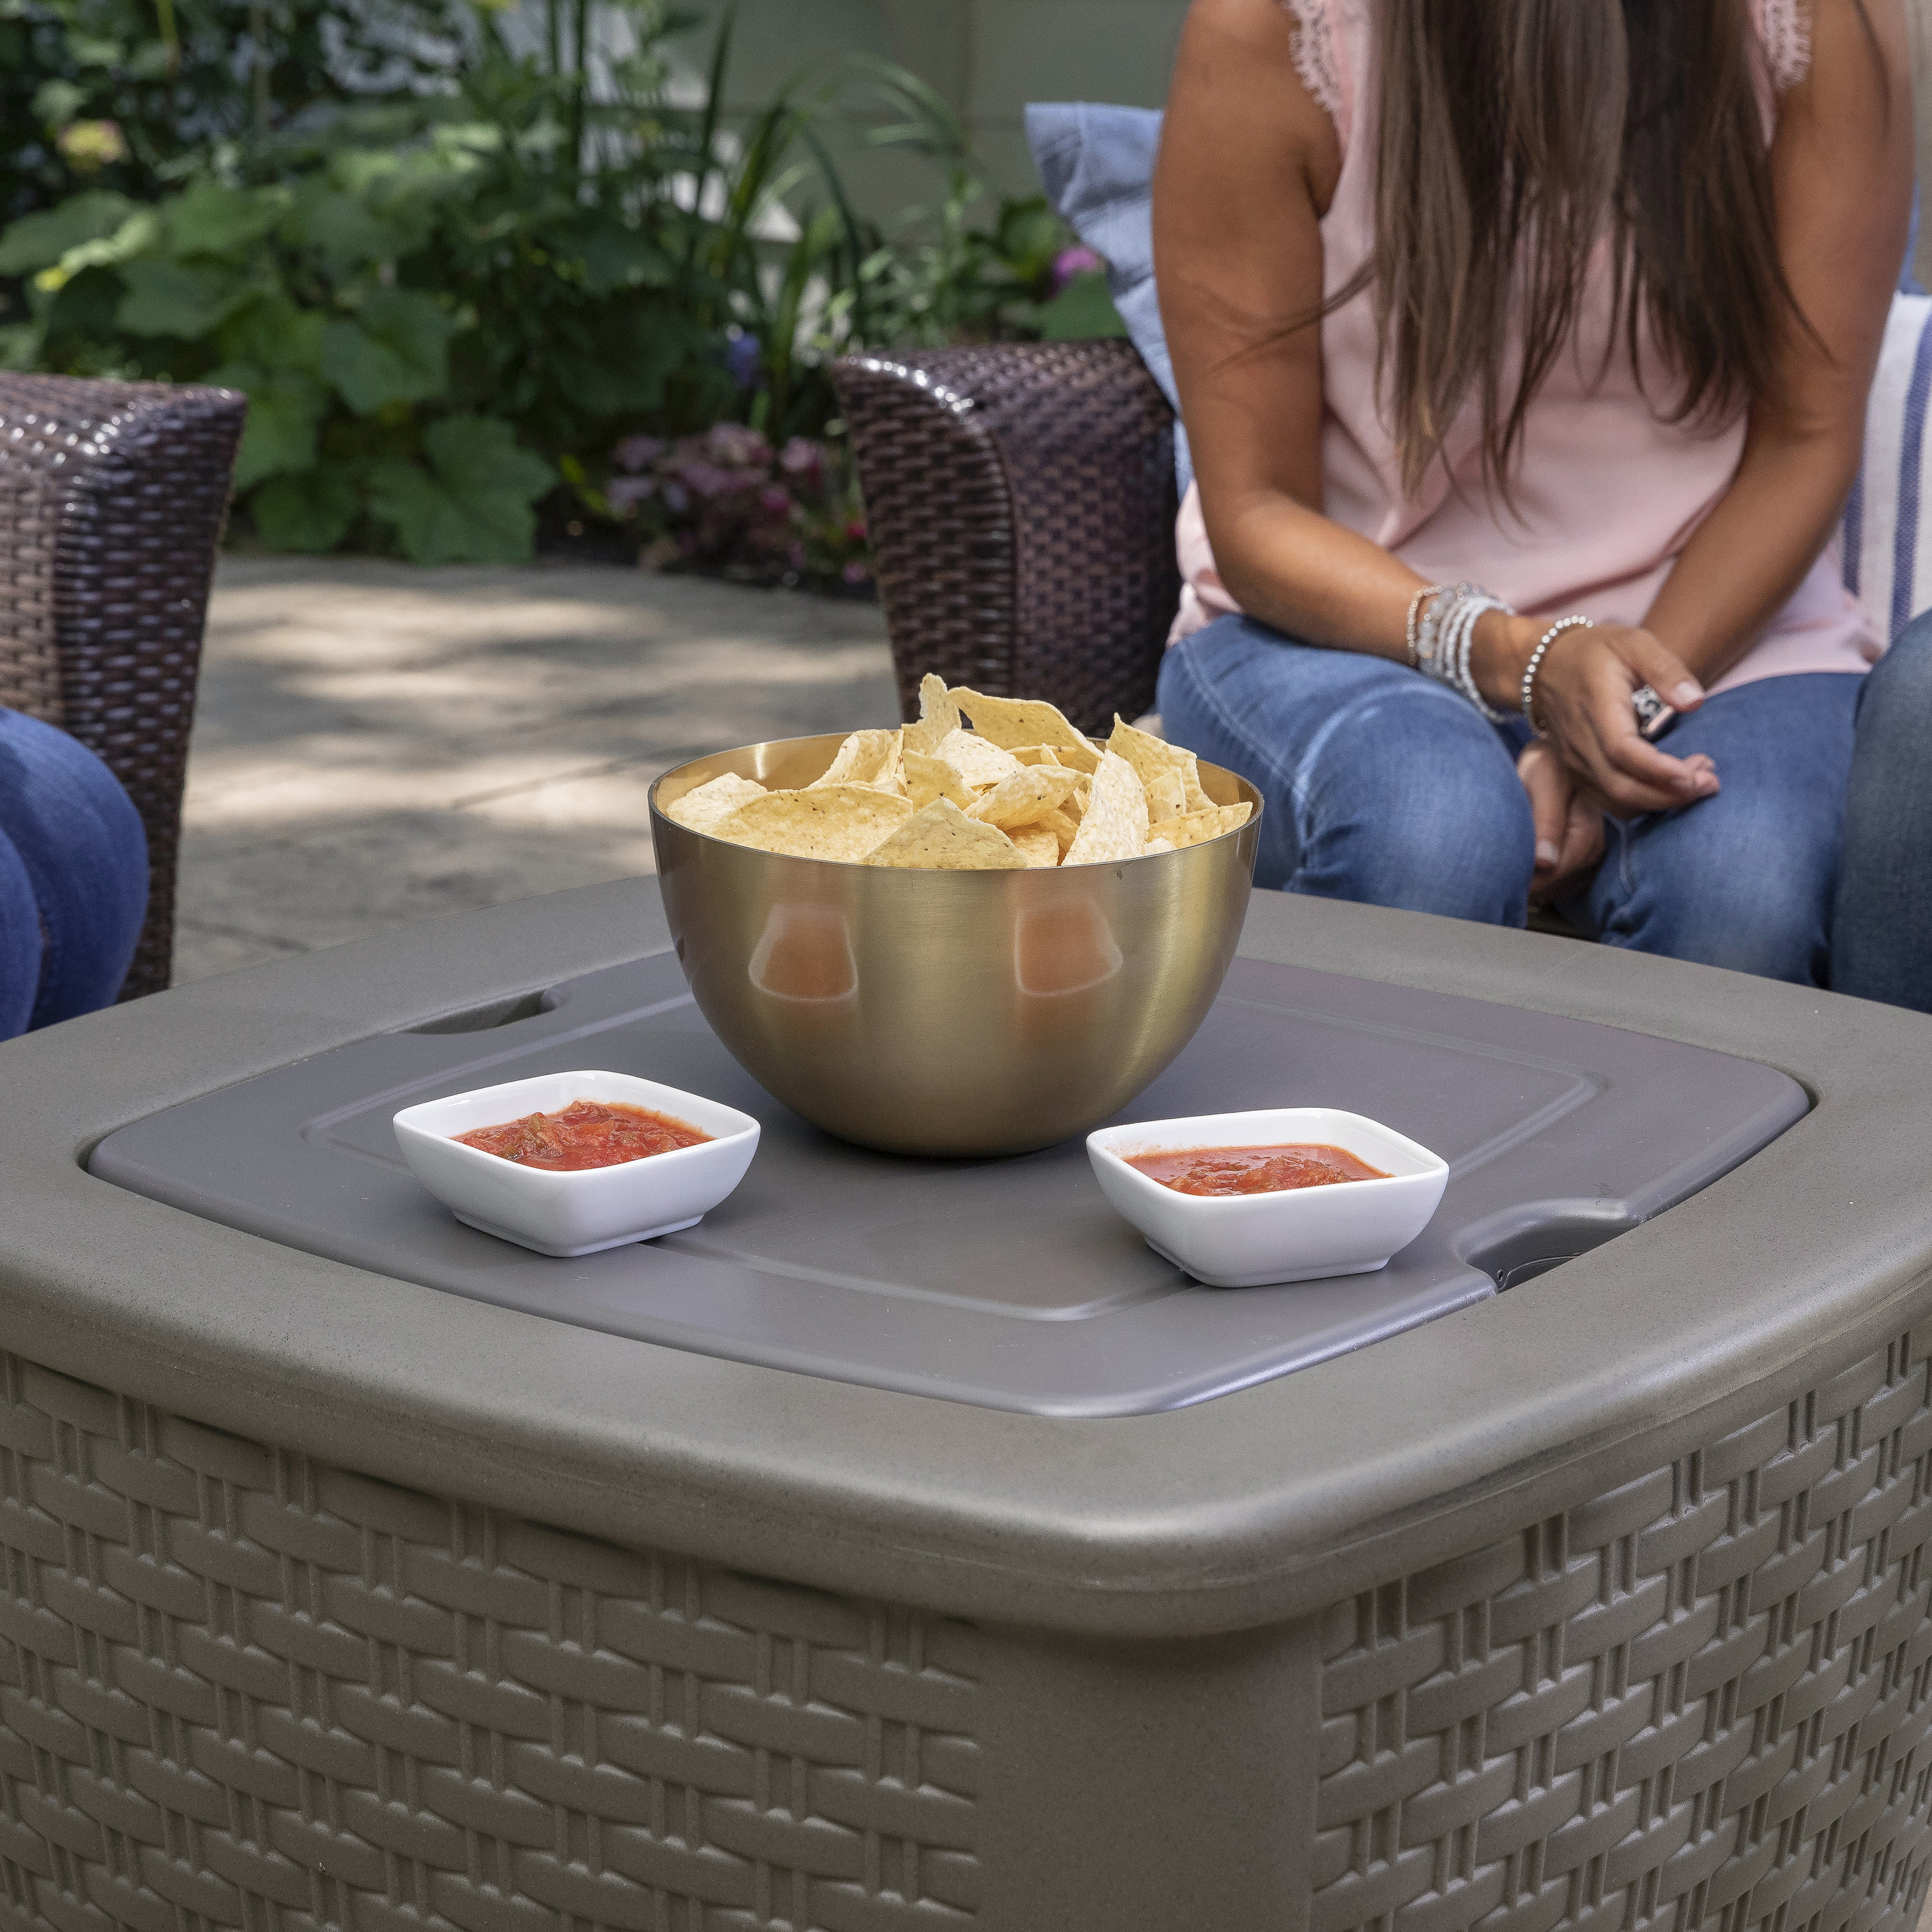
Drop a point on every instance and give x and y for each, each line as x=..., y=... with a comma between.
x=1887, y=549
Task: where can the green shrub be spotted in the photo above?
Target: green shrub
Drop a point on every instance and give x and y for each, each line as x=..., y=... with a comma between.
x=450, y=302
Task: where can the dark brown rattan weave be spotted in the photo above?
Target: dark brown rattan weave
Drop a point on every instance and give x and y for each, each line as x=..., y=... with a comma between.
x=1021, y=501
x=112, y=497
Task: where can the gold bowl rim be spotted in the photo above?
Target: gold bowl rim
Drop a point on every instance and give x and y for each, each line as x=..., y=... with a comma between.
x=1249, y=793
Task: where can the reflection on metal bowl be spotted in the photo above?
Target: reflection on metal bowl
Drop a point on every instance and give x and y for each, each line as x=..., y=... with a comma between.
x=948, y=1013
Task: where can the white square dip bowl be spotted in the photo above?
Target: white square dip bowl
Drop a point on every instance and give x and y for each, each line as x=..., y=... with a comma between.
x=584, y=1211
x=1296, y=1233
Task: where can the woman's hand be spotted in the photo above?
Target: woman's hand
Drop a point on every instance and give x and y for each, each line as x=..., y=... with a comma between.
x=1569, y=826
x=1582, y=698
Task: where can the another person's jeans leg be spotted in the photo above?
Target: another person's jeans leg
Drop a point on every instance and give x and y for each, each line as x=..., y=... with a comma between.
x=1743, y=880
x=1882, y=933
x=73, y=878
x=1380, y=786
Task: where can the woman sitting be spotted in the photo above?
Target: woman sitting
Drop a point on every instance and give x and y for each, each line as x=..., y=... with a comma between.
x=73, y=878
x=1524, y=350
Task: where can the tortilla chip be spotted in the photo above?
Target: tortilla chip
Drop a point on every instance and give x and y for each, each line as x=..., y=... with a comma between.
x=928, y=778
x=938, y=715
x=943, y=839
x=703, y=805
x=979, y=763
x=1192, y=828
x=1026, y=797
x=1034, y=754
x=1037, y=846
x=1167, y=795
x=1064, y=824
x=1114, y=825
x=863, y=757
x=1155, y=844
x=891, y=774
x=1018, y=720
x=841, y=822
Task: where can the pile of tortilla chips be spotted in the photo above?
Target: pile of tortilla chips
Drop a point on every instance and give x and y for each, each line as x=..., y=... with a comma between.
x=978, y=784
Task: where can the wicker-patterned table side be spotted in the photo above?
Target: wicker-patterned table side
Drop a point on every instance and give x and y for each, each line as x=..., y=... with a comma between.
x=112, y=498
x=238, y=1687
x=1699, y=1700
x=1021, y=501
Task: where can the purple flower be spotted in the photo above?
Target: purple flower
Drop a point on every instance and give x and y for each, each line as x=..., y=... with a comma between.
x=856, y=572
x=741, y=357
x=626, y=493
x=774, y=501
x=676, y=499
x=1072, y=262
x=706, y=480
x=638, y=452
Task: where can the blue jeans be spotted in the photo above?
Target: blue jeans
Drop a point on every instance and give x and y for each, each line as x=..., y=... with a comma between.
x=73, y=878
x=1882, y=932
x=1386, y=787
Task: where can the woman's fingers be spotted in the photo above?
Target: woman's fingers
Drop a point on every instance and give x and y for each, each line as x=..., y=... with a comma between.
x=1659, y=666
x=1582, y=838
x=1550, y=788
x=1603, y=740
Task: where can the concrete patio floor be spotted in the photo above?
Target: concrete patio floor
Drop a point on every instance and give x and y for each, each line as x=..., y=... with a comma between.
x=376, y=744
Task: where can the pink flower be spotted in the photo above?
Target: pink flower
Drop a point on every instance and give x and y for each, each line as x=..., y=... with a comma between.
x=802, y=458
x=855, y=531
x=738, y=447
x=1072, y=262
x=774, y=501
x=856, y=572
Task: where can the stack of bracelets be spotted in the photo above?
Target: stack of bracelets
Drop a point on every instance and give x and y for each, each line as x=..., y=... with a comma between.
x=1441, y=632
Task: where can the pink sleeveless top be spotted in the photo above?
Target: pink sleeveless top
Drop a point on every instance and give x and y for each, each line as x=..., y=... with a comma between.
x=1608, y=494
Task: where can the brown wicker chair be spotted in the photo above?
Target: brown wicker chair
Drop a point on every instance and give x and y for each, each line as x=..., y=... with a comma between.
x=112, y=497
x=1020, y=500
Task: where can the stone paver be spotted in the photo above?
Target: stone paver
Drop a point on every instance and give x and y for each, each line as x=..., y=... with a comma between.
x=377, y=743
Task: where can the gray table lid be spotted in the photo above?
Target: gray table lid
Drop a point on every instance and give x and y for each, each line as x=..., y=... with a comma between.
x=1010, y=1284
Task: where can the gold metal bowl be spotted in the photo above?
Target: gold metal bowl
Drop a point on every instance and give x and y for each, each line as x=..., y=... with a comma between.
x=948, y=1013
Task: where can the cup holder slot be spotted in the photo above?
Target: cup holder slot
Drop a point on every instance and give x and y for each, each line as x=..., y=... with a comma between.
x=492, y=1014
x=1520, y=1244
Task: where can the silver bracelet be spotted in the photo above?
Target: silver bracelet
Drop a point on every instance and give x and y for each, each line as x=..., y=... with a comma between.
x=1573, y=622
x=1447, y=636
x=1411, y=631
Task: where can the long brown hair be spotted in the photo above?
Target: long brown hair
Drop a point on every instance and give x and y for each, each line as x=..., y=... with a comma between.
x=1516, y=135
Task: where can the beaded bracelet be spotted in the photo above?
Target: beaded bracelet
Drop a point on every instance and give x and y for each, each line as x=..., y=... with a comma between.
x=1573, y=622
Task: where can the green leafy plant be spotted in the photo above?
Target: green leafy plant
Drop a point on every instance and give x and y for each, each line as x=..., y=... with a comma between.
x=453, y=278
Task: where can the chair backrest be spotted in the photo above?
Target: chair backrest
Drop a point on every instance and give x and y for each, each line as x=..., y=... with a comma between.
x=112, y=498
x=1887, y=536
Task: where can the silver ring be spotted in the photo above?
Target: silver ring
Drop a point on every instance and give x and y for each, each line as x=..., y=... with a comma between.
x=1648, y=706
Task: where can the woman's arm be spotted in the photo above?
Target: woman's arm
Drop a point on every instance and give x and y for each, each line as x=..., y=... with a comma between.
x=1249, y=161
x=1841, y=170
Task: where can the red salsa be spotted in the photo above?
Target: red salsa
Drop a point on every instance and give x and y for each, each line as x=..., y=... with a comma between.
x=1252, y=1170
x=587, y=1133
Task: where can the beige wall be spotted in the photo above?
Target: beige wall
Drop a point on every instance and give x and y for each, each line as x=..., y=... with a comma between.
x=988, y=57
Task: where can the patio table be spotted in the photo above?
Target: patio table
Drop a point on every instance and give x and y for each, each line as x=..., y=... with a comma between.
x=333, y=1597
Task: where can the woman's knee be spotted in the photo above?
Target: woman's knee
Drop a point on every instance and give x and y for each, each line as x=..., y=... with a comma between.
x=1450, y=832
x=81, y=846
x=1766, y=912
x=1896, y=696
